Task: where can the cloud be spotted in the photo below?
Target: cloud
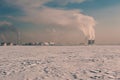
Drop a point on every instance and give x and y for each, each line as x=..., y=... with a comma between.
x=65, y=2
x=6, y=26
x=27, y=3
x=2, y=23
x=38, y=3
x=75, y=1
x=7, y=31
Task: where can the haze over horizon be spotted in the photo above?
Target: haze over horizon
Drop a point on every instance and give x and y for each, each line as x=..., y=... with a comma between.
x=61, y=21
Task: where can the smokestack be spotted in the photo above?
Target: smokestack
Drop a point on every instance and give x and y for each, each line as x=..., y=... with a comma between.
x=91, y=42
x=18, y=38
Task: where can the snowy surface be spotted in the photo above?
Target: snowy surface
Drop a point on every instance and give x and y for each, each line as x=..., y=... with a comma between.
x=60, y=63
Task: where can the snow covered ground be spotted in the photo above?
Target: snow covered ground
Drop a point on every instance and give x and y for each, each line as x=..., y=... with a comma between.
x=60, y=63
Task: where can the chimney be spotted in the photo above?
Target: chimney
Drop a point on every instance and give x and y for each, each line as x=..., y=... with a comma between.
x=18, y=38
x=91, y=42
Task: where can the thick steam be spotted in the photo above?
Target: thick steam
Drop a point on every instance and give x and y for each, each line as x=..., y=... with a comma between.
x=68, y=19
x=86, y=24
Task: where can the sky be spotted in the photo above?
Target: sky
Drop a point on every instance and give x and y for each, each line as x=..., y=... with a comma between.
x=60, y=21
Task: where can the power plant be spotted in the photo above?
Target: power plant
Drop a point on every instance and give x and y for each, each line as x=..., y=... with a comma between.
x=91, y=42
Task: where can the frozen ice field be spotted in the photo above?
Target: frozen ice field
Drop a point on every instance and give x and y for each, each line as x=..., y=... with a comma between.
x=60, y=63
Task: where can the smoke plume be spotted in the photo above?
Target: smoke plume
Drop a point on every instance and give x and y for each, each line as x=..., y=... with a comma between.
x=86, y=25
x=63, y=18
x=7, y=31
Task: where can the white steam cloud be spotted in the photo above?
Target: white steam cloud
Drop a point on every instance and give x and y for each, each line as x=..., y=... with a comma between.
x=63, y=18
x=86, y=24
x=37, y=13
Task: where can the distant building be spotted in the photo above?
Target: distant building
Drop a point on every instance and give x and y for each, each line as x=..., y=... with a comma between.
x=46, y=43
x=28, y=44
x=10, y=44
x=3, y=44
x=40, y=44
x=6, y=44
x=51, y=43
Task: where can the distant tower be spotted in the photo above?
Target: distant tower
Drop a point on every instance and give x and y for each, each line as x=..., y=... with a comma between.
x=53, y=35
x=18, y=38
